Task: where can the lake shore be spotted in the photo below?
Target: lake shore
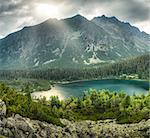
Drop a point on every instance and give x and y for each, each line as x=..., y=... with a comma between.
x=83, y=80
x=77, y=88
x=47, y=94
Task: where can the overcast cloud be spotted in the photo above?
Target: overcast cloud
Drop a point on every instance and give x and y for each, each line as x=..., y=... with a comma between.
x=15, y=14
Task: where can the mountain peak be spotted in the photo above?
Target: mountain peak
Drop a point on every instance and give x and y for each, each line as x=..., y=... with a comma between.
x=72, y=42
x=105, y=18
x=113, y=18
x=76, y=20
x=78, y=17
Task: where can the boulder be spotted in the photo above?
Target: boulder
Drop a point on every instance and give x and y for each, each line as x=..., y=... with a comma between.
x=17, y=126
x=18, y=117
x=10, y=122
x=2, y=108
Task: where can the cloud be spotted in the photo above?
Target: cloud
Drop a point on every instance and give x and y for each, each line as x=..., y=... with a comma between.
x=15, y=14
x=134, y=10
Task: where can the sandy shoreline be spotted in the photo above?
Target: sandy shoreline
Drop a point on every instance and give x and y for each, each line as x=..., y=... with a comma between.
x=47, y=94
x=55, y=91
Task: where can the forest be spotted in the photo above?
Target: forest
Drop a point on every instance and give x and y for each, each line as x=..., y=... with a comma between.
x=138, y=65
x=94, y=105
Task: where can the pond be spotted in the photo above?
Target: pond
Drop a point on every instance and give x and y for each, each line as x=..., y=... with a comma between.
x=77, y=89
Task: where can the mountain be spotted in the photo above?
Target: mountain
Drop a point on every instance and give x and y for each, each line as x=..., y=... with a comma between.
x=72, y=42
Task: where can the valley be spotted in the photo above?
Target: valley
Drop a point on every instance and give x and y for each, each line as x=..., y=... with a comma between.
x=75, y=72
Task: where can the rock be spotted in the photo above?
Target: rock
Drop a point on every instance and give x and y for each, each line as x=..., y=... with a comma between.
x=24, y=126
x=1, y=123
x=19, y=127
x=10, y=123
x=8, y=133
x=2, y=108
x=4, y=121
x=42, y=125
x=43, y=134
x=70, y=129
x=65, y=122
x=1, y=130
x=18, y=117
x=108, y=121
x=32, y=135
x=18, y=134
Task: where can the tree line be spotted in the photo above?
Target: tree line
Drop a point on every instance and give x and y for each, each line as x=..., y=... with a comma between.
x=139, y=66
x=94, y=105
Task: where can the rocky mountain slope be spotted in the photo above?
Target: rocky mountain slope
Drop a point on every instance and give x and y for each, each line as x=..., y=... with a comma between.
x=72, y=42
x=17, y=126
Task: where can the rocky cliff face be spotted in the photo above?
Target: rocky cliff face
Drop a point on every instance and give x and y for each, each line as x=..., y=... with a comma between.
x=72, y=42
x=19, y=127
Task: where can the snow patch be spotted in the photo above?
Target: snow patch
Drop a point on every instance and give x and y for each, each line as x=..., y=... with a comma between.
x=37, y=63
x=90, y=48
x=93, y=48
x=65, y=46
x=56, y=51
x=74, y=60
x=49, y=61
x=86, y=63
x=127, y=48
x=112, y=61
x=35, y=60
x=101, y=47
x=93, y=60
x=118, y=54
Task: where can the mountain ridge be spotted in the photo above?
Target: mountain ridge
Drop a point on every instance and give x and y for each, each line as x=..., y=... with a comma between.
x=70, y=18
x=73, y=41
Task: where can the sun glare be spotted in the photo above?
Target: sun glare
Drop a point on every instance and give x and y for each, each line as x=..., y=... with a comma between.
x=47, y=11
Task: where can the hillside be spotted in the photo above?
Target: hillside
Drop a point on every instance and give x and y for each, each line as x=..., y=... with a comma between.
x=73, y=42
x=22, y=117
x=139, y=65
x=25, y=128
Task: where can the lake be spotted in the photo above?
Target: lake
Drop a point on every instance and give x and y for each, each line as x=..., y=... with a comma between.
x=77, y=89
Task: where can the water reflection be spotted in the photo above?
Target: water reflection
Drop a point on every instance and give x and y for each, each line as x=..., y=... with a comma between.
x=77, y=89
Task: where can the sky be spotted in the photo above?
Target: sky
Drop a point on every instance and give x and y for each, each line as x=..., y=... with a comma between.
x=15, y=14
